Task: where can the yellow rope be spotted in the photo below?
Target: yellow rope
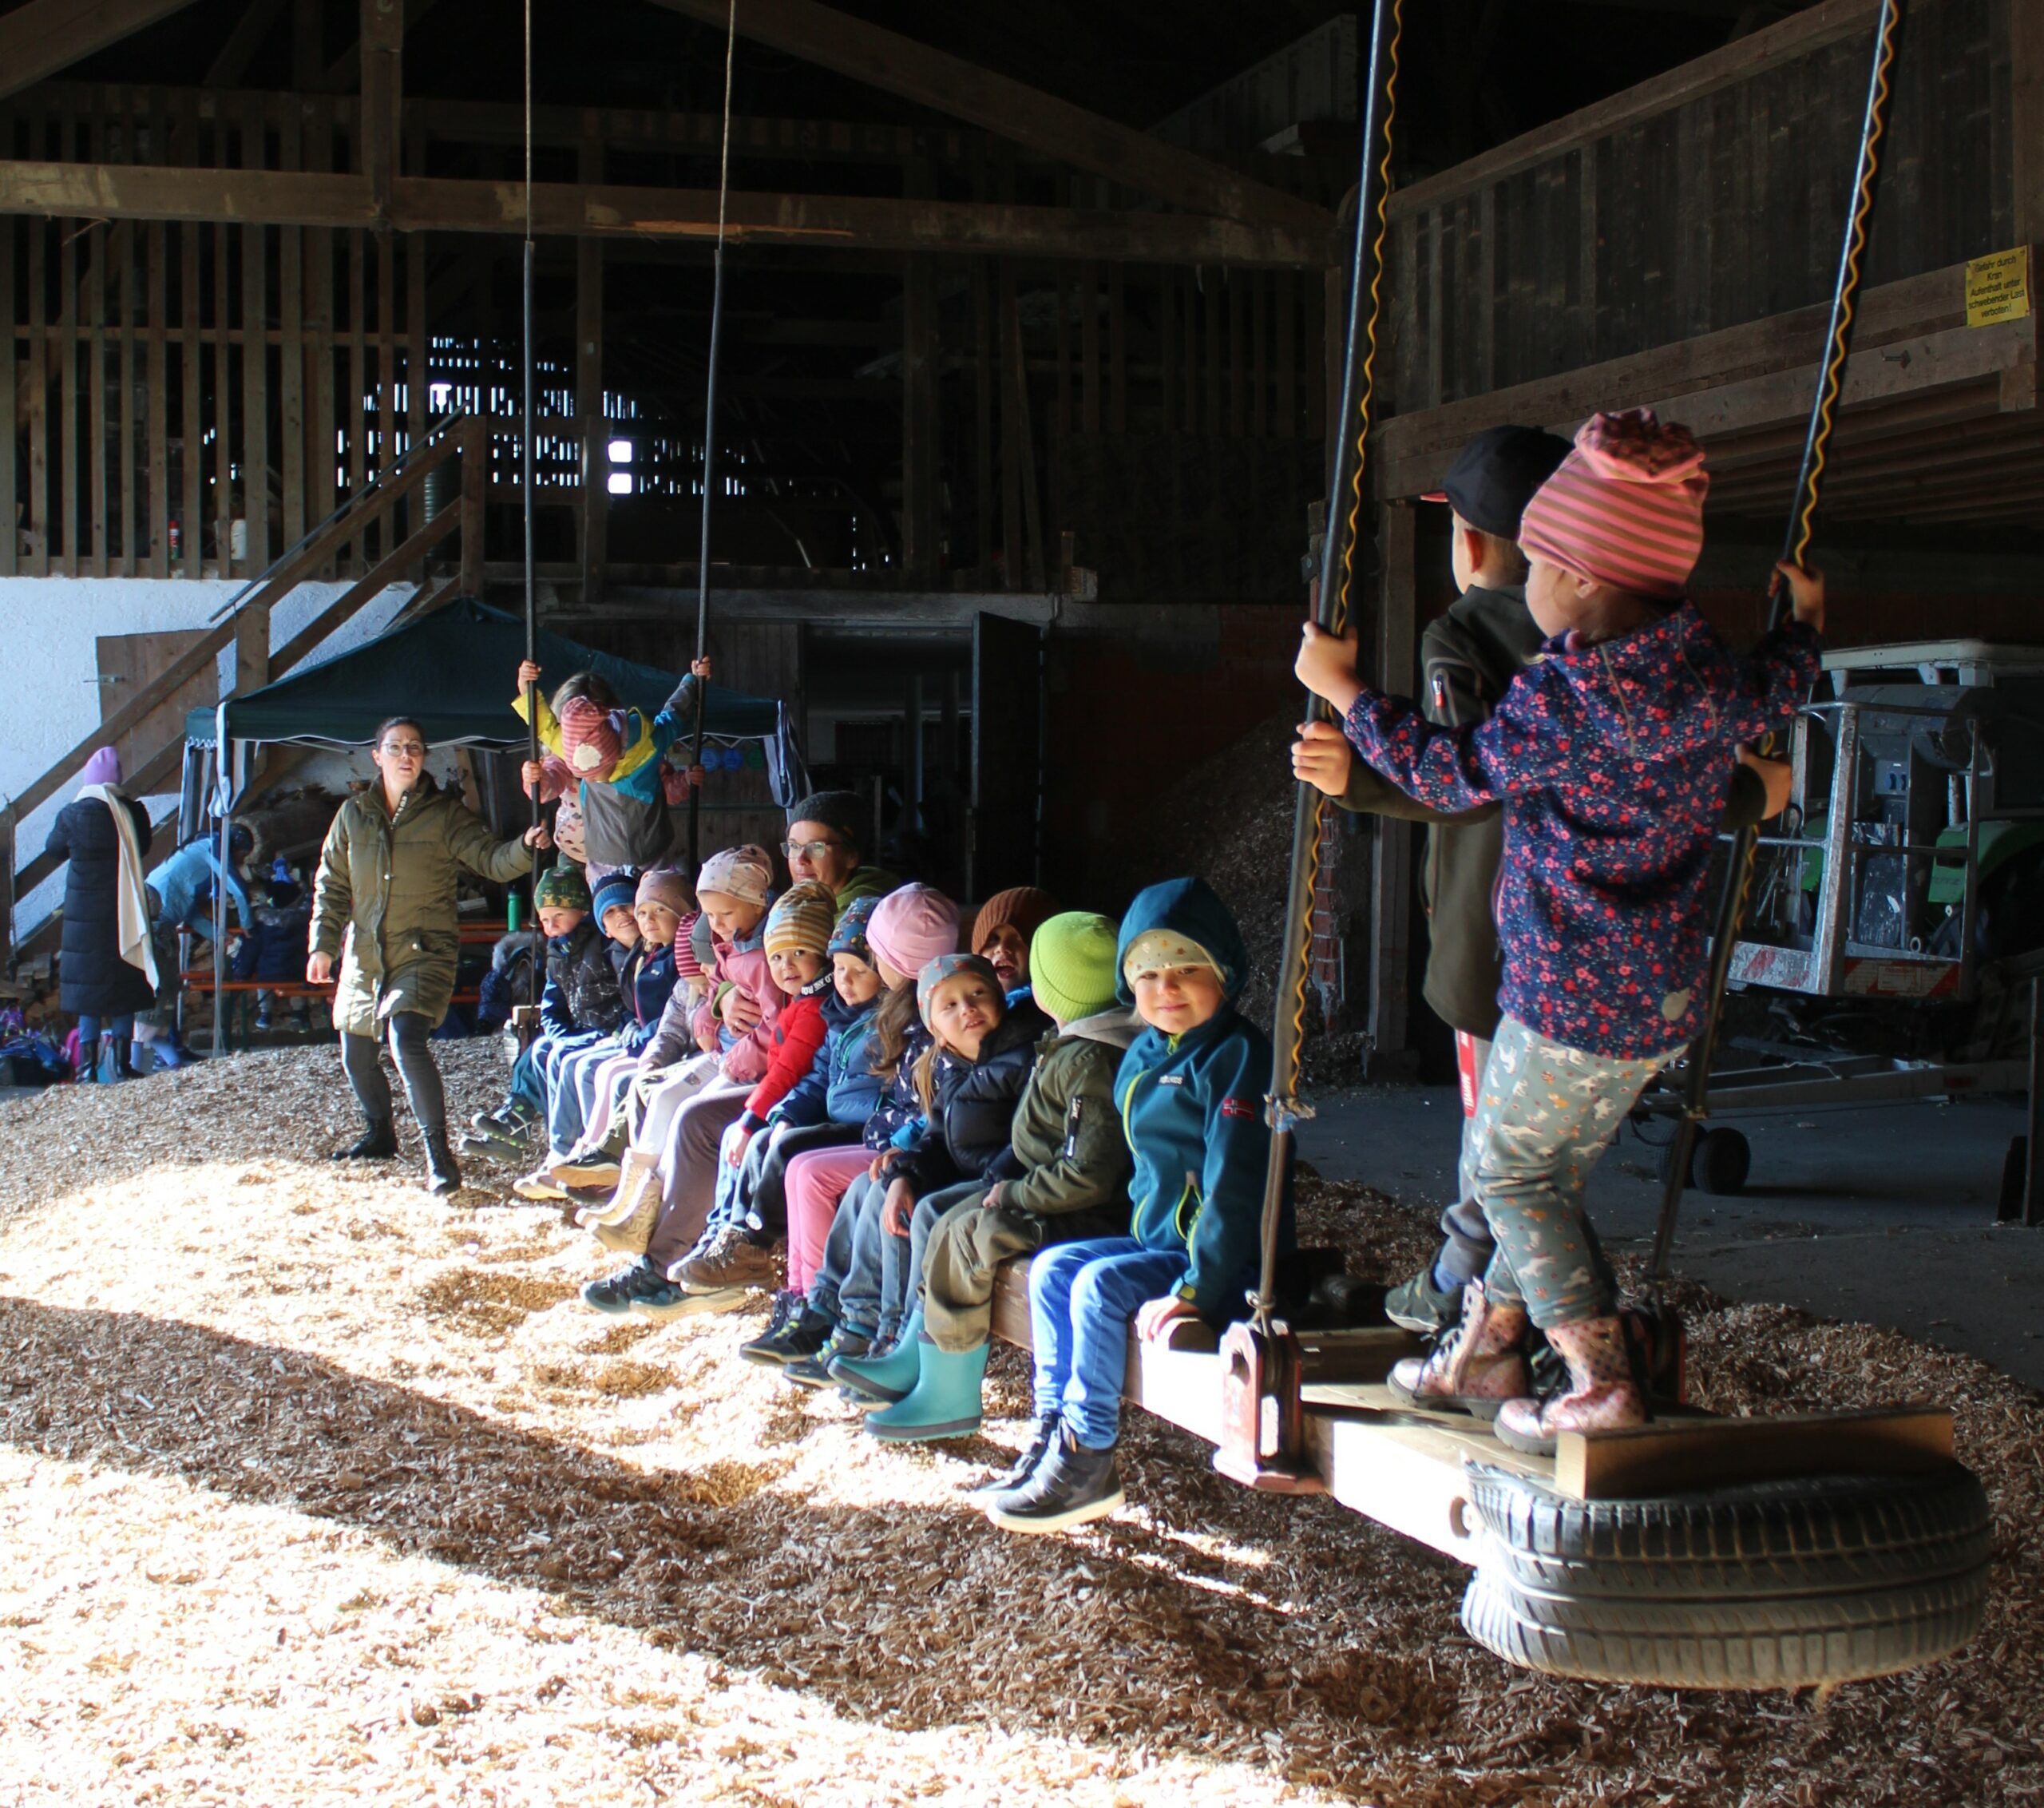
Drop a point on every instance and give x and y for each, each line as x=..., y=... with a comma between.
x=1338, y=620
x=1863, y=206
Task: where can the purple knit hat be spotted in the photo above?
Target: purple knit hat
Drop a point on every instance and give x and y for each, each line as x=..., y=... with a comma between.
x=103, y=768
x=911, y=926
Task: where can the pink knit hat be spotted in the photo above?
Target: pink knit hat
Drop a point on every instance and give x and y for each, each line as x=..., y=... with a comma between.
x=103, y=768
x=1625, y=508
x=911, y=926
x=591, y=738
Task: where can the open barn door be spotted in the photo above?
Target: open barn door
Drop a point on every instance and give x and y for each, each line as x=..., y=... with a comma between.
x=1003, y=845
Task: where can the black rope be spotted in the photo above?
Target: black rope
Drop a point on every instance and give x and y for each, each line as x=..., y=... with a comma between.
x=1283, y=1110
x=1794, y=547
x=532, y=590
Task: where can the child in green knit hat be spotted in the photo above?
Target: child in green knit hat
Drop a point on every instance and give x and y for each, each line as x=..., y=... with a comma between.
x=1065, y=1176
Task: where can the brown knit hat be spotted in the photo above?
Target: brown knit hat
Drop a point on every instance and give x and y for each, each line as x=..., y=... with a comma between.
x=1027, y=907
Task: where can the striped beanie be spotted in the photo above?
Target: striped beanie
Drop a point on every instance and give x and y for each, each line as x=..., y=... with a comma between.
x=952, y=966
x=801, y=919
x=850, y=936
x=1625, y=508
x=591, y=738
x=686, y=964
x=617, y=892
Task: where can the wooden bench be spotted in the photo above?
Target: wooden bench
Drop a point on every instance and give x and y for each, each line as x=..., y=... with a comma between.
x=1408, y=1469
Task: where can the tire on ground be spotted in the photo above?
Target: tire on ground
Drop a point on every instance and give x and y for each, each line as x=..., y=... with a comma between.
x=1771, y=1584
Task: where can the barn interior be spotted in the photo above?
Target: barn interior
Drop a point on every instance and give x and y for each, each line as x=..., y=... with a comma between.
x=1027, y=386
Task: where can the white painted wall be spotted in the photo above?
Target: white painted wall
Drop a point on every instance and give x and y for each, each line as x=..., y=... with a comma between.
x=50, y=667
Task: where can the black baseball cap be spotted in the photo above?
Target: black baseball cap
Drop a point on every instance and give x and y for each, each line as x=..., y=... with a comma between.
x=1493, y=477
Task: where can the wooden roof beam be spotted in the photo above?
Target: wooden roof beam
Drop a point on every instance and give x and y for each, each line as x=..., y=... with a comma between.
x=998, y=104
x=573, y=210
x=37, y=40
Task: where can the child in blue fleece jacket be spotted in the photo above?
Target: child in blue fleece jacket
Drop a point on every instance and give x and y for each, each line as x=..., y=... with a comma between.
x=1611, y=755
x=1190, y=1091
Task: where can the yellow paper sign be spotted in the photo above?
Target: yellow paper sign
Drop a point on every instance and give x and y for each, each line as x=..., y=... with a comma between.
x=1998, y=287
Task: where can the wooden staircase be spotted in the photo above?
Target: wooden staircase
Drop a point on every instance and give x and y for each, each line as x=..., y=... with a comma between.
x=394, y=509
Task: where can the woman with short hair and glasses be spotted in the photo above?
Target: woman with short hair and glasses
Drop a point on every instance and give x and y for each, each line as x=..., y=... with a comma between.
x=383, y=906
x=827, y=837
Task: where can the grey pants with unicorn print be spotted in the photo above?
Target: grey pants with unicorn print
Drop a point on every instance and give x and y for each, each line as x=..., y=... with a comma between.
x=1544, y=1113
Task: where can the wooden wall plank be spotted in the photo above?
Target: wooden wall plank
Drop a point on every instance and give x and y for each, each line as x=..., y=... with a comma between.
x=1118, y=349
x=1237, y=349
x=353, y=413
x=291, y=342
x=39, y=393
x=67, y=410
x=1285, y=305
x=323, y=455
x=97, y=252
x=255, y=354
x=1259, y=339
x=157, y=506
x=388, y=341
x=1089, y=347
x=983, y=367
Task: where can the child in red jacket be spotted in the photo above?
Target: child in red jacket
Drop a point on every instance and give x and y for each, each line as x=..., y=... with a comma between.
x=1611, y=755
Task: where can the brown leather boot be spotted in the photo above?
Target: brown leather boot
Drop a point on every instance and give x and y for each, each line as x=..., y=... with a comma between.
x=1478, y=1365
x=1603, y=1394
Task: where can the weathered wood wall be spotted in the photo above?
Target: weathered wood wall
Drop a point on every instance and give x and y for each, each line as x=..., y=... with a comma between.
x=1712, y=197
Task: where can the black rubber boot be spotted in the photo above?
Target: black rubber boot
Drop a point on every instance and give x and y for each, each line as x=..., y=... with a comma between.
x=1071, y=1485
x=377, y=1142
x=443, y=1174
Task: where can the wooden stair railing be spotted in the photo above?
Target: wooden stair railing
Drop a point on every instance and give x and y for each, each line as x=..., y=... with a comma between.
x=466, y=436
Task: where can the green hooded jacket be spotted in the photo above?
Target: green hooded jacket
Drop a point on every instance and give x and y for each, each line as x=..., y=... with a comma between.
x=384, y=900
x=1067, y=1140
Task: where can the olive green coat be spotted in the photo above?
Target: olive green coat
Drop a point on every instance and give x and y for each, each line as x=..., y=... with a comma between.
x=384, y=900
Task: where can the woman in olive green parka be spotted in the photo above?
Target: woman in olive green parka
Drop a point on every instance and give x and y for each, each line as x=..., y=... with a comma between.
x=383, y=906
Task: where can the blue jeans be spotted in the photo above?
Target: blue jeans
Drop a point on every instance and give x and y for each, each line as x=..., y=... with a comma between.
x=573, y=1091
x=901, y=1258
x=532, y=1073
x=121, y=1029
x=1082, y=1298
x=848, y=1285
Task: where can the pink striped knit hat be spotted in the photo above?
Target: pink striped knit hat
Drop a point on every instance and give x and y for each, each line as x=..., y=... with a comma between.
x=1625, y=508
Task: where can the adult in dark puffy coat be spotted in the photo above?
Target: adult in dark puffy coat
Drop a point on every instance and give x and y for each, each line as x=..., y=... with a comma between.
x=107, y=971
x=383, y=908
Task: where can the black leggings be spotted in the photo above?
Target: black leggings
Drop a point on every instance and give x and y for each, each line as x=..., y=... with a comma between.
x=415, y=1067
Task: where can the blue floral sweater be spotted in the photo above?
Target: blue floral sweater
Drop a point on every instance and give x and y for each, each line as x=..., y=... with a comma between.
x=1611, y=761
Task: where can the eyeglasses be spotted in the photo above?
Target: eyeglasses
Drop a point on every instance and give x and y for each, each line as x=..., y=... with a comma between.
x=809, y=849
x=405, y=750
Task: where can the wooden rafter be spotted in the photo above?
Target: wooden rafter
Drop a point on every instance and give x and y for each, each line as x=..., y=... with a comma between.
x=45, y=36
x=997, y=103
x=826, y=222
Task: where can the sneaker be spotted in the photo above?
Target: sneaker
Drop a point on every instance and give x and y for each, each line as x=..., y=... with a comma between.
x=730, y=1259
x=1024, y=1465
x=1418, y=1306
x=1072, y=1484
x=481, y=1148
x=814, y=1371
x=620, y=1292
x=580, y=1173
x=803, y=1332
x=539, y=1184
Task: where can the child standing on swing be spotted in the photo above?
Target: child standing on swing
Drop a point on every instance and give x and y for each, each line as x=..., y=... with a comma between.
x=1611, y=755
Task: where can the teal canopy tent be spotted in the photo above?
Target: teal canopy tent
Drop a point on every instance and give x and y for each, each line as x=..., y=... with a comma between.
x=455, y=670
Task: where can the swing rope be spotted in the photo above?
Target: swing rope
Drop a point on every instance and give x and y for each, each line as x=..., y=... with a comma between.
x=709, y=442
x=1794, y=547
x=525, y=449
x=1282, y=1109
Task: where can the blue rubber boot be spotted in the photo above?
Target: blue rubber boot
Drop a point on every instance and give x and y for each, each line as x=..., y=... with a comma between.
x=888, y=1377
x=944, y=1402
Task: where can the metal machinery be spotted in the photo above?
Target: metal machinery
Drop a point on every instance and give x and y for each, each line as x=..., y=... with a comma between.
x=1898, y=911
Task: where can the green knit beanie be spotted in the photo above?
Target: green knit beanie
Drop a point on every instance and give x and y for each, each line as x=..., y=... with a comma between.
x=561, y=888
x=1071, y=965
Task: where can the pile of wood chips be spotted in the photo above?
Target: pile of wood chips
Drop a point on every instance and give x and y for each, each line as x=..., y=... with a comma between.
x=316, y=1489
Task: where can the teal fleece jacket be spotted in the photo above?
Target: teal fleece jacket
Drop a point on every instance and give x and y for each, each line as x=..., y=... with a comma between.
x=1192, y=1107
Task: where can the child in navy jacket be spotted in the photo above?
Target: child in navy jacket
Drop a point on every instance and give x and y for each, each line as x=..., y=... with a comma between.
x=1190, y=1091
x=1611, y=755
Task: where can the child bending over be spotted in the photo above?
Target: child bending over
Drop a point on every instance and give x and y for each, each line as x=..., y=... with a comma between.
x=1190, y=1093
x=1610, y=755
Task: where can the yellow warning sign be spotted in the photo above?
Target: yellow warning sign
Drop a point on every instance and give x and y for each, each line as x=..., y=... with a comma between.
x=1998, y=287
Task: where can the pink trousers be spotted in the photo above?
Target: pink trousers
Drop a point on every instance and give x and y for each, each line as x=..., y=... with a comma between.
x=816, y=1181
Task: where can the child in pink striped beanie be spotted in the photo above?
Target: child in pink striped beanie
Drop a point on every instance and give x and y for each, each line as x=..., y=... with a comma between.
x=1610, y=755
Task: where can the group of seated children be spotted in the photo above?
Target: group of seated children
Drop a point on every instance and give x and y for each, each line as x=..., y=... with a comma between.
x=828, y=1068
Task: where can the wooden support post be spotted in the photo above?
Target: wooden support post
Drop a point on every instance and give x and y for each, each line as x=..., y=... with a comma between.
x=39, y=393
x=595, y=429
x=1390, y=916
x=475, y=490
x=1089, y=347
x=382, y=95
x=308, y=46
x=324, y=456
x=160, y=504
x=921, y=462
x=251, y=646
x=10, y=364
x=2026, y=121
x=291, y=345
x=983, y=366
x=255, y=362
